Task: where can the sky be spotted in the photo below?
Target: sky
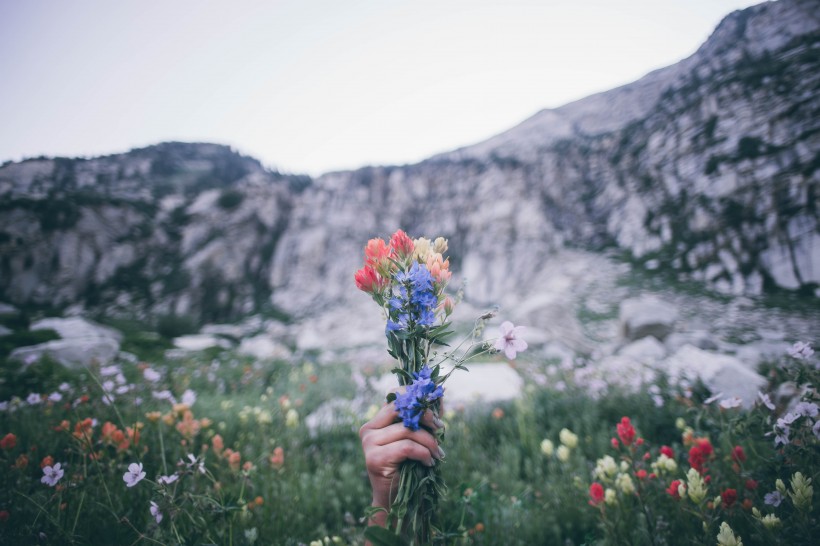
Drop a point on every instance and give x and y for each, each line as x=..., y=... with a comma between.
x=311, y=86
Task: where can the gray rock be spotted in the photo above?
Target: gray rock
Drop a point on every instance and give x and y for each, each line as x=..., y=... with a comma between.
x=647, y=350
x=75, y=353
x=647, y=316
x=200, y=342
x=77, y=328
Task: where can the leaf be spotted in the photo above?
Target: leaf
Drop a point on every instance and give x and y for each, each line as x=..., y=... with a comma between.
x=379, y=536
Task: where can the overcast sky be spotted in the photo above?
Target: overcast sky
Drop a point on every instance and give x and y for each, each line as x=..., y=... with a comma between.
x=317, y=85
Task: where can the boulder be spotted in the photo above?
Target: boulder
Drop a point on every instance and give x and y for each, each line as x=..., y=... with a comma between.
x=646, y=350
x=720, y=373
x=77, y=328
x=75, y=353
x=647, y=316
x=200, y=342
x=262, y=347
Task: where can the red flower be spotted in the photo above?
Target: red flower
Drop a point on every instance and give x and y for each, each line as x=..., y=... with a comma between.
x=738, y=455
x=615, y=443
x=4, y=516
x=8, y=441
x=751, y=485
x=700, y=453
x=639, y=442
x=596, y=494
x=666, y=450
x=375, y=253
x=401, y=245
x=367, y=280
x=641, y=474
x=673, y=489
x=729, y=497
x=626, y=432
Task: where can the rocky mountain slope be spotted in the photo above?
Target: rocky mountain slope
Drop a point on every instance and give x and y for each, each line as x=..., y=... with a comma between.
x=708, y=168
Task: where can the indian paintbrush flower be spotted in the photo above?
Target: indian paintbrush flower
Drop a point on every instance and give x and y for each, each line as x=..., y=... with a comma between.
x=801, y=491
x=726, y=537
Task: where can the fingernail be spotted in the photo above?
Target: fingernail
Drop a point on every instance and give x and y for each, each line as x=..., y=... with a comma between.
x=441, y=453
x=438, y=422
x=432, y=462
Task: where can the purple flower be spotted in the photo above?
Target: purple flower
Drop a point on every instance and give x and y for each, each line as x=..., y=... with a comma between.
x=729, y=403
x=800, y=350
x=151, y=375
x=773, y=499
x=155, y=512
x=52, y=474
x=167, y=480
x=806, y=409
x=509, y=342
x=765, y=400
x=418, y=397
x=134, y=475
x=34, y=398
x=816, y=429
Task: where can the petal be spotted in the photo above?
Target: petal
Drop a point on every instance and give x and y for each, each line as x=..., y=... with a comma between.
x=510, y=351
x=500, y=344
x=519, y=344
x=506, y=327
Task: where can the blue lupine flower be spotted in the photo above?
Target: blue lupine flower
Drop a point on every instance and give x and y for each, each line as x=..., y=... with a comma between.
x=419, y=396
x=414, y=300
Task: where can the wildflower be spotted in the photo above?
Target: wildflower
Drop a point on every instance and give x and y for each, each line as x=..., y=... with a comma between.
x=234, y=459
x=730, y=403
x=562, y=453
x=738, y=455
x=610, y=497
x=134, y=475
x=48, y=460
x=292, y=418
x=700, y=453
x=596, y=494
x=729, y=497
x=800, y=350
x=769, y=521
x=801, y=491
x=9, y=441
x=278, y=457
x=55, y=397
x=674, y=489
x=547, y=447
x=568, y=438
x=151, y=375
x=33, y=399
x=107, y=371
x=626, y=432
x=167, y=480
x=680, y=423
x=816, y=429
x=401, y=245
x=664, y=464
x=712, y=398
x=605, y=468
x=418, y=397
x=509, y=342
x=156, y=512
x=439, y=268
x=806, y=409
x=765, y=400
x=614, y=442
x=415, y=302
x=21, y=462
x=194, y=463
x=251, y=535
x=726, y=537
x=780, y=486
x=666, y=450
x=641, y=474
x=498, y=413
x=422, y=248
x=750, y=484
x=696, y=486
x=52, y=474
x=624, y=483
x=368, y=280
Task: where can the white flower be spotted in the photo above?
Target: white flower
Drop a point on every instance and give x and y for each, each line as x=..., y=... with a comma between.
x=105, y=371
x=189, y=398
x=164, y=395
x=547, y=447
x=151, y=375
x=562, y=453
x=624, y=483
x=34, y=398
x=155, y=512
x=726, y=537
x=108, y=385
x=800, y=350
x=167, y=480
x=64, y=387
x=729, y=403
x=52, y=474
x=509, y=342
x=765, y=400
x=194, y=464
x=568, y=438
x=134, y=475
x=292, y=418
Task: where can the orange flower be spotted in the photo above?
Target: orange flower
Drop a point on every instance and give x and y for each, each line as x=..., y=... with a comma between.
x=259, y=501
x=278, y=457
x=153, y=416
x=498, y=413
x=82, y=430
x=188, y=427
x=248, y=466
x=9, y=441
x=21, y=462
x=367, y=280
x=48, y=460
x=217, y=444
x=376, y=253
x=234, y=459
x=64, y=426
x=439, y=268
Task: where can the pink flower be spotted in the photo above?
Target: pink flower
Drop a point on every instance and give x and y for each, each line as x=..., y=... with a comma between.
x=626, y=432
x=401, y=245
x=509, y=342
x=596, y=494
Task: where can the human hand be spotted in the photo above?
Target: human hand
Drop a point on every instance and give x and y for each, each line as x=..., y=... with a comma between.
x=387, y=443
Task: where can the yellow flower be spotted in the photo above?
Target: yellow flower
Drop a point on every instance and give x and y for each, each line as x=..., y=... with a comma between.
x=547, y=447
x=292, y=418
x=610, y=497
x=624, y=483
x=697, y=487
x=605, y=468
x=563, y=453
x=568, y=438
x=680, y=424
x=153, y=416
x=726, y=537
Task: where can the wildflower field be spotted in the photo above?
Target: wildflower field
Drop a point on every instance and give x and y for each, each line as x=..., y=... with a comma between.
x=214, y=449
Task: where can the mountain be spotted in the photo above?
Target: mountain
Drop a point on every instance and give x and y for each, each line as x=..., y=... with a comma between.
x=707, y=169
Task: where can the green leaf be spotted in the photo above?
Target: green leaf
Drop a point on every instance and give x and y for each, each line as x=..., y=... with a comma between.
x=379, y=536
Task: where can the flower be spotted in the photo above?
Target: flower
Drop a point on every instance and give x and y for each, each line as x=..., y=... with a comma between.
x=368, y=280
x=696, y=485
x=738, y=455
x=189, y=397
x=134, y=475
x=34, y=398
x=415, y=302
x=625, y=484
x=610, y=497
x=801, y=491
x=596, y=494
x=806, y=409
x=568, y=438
x=726, y=537
x=155, y=512
x=605, y=468
x=729, y=497
x=547, y=447
x=292, y=418
x=167, y=480
x=194, y=463
x=9, y=441
x=376, y=253
x=562, y=453
x=151, y=375
x=666, y=450
x=700, y=453
x=729, y=403
x=277, y=459
x=509, y=342
x=418, y=397
x=52, y=474
x=800, y=350
x=401, y=245
x=626, y=432
x=765, y=400
x=674, y=489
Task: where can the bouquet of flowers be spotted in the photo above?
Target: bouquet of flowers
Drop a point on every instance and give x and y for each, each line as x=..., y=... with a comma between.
x=407, y=279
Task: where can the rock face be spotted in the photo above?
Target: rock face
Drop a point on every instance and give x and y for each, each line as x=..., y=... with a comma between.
x=708, y=168
x=83, y=343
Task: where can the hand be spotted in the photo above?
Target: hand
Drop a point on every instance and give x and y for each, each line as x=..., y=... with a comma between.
x=387, y=443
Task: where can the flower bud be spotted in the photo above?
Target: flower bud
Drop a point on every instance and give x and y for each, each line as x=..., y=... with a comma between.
x=568, y=438
x=547, y=447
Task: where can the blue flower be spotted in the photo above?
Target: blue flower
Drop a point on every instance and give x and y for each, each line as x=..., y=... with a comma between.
x=773, y=499
x=417, y=398
x=414, y=301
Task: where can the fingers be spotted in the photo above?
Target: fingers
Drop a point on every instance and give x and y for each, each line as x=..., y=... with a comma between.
x=387, y=415
x=397, y=432
x=389, y=456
